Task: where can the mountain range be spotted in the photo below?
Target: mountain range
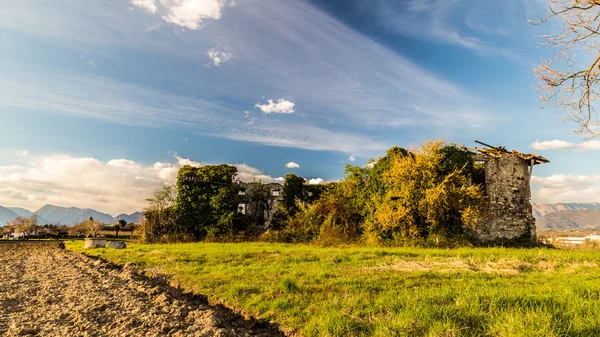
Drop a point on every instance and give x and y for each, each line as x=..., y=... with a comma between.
x=578, y=219
x=540, y=210
x=50, y=214
x=567, y=216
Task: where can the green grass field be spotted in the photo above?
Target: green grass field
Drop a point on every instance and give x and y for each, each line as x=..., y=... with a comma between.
x=319, y=291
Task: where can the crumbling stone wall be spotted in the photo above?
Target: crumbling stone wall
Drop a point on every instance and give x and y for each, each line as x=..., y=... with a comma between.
x=259, y=202
x=508, y=214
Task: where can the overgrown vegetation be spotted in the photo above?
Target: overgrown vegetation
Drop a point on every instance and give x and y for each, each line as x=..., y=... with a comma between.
x=325, y=291
x=203, y=206
x=428, y=195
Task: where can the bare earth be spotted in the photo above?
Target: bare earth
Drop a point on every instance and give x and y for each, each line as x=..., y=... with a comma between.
x=48, y=291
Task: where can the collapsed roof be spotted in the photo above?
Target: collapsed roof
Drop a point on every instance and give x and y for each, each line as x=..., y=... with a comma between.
x=484, y=154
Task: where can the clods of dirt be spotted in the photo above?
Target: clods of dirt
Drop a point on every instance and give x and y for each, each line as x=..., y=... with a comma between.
x=48, y=291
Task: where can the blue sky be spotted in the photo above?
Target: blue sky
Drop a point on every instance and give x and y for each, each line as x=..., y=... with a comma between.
x=127, y=91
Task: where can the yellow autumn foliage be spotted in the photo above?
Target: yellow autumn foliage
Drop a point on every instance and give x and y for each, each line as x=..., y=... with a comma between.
x=422, y=203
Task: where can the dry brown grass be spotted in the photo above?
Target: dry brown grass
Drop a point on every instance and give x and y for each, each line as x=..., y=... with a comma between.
x=464, y=265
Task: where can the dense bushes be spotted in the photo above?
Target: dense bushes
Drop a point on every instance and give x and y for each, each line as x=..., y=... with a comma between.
x=423, y=195
x=430, y=195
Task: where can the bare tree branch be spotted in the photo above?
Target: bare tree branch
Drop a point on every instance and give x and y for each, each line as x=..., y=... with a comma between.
x=570, y=80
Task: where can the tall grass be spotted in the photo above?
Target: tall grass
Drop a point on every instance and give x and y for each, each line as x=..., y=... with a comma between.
x=324, y=291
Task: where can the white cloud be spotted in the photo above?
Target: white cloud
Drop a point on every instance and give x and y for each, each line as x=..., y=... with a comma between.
x=351, y=158
x=591, y=145
x=149, y=5
x=123, y=163
x=292, y=165
x=115, y=186
x=565, y=188
x=191, y=13
x=218, y=56
x=185, y=13
x=316, y=181
x=281, y=106
x=24, y=153
x=552, y=145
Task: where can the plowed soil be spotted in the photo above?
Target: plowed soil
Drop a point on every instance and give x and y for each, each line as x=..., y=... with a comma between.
x=48, y=291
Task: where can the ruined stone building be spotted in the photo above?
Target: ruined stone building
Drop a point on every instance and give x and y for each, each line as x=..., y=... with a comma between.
x=258, y=201
x=508, y=213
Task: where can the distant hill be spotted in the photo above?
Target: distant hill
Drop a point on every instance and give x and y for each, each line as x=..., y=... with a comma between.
x=133, y=217
x=6, y=215
x=21, y=211
x=540, y=210
x=71, y=215
x=578, y=219
x=25, y=213
x=51, y=214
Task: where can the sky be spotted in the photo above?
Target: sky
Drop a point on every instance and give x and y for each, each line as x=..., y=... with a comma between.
x=103, y=101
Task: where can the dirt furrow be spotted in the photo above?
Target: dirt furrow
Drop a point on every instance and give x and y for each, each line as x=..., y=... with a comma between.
x=48, y=291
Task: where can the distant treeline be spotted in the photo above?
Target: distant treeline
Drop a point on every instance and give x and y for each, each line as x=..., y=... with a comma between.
x=431, y=194
x=27, y=227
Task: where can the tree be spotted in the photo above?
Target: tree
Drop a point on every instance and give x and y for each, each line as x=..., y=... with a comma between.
x=120, y=224
x=206, y=200
x=78, y=229
x=132, y=225
x=335, y=217
x=56, y=230
x=159, y=217
x=93, y=227
x=8, y=229
x=429, y=197
x=292, y=191
x=370, y=184
x=570, y=79
x=26, y=226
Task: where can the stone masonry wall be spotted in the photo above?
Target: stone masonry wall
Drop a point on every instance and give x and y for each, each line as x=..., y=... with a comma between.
x=509, y=212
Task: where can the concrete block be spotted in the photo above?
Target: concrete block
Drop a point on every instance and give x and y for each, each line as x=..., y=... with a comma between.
x=116, y=244
x=94, y=243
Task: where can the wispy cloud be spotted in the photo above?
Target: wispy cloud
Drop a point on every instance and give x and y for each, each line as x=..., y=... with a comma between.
x=591, y=145
x=140, y=106
x=479, y=26
x=311, y=59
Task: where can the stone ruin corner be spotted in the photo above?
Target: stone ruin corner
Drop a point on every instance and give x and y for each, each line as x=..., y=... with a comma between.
x=508, y=214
